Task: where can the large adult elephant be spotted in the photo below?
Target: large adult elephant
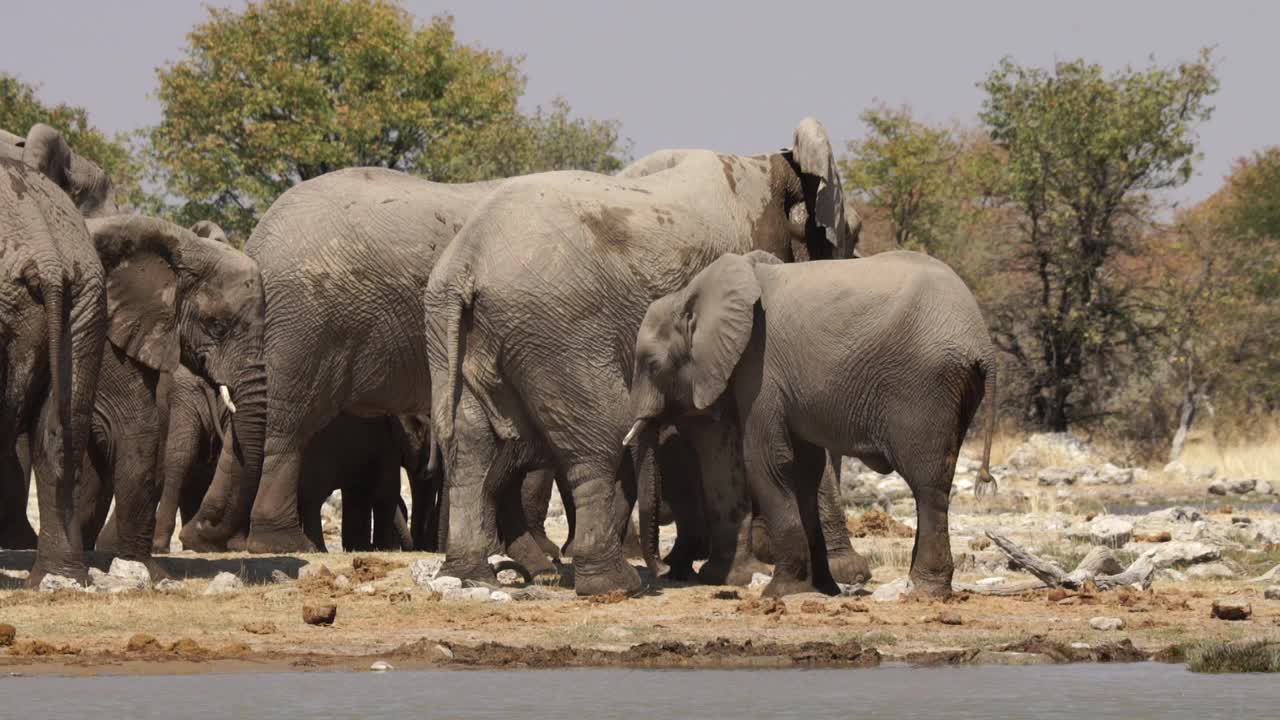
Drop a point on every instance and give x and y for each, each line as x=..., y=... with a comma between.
x=893, y=376
x=345, y=259
x=532, y=313
x=52, y=321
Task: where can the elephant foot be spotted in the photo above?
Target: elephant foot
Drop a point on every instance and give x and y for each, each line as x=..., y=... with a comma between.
x=526, y=551
x=240, y=543
x=199, y=537
x=599, y=578
x=931, y=585
x=18, y=536
x=79, y=573
x=849, y=568
x=735, y=572
x=548, y=548
x=631, y=547
x=159, y=548
x=279, y=541
x=475, y=568
x=679, y=568
x=782, y=586
x=566, y=550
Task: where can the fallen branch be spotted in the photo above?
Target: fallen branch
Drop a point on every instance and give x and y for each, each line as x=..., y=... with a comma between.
x=1139, y=573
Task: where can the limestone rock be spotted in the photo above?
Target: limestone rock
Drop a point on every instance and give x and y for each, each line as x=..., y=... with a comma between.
x=759, y=581
x=130, y=573
x=500, y=596
x=1100, y=561
x=893, y=591
x=424, y=571
x=314, y=569
x=50, y=583
x=1110, y=531
x=445, y=583
x=381, y=666
x=467, y=594
x=1231, y=609
x=280, y=576
x=224, y=583
x=1052, y=476
x=1181, y=553
x=1210, y=571
x=1182, y=513
x=1106, y=624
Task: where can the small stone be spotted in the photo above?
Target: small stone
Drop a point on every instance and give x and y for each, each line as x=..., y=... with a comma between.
x=265, y=627
x=467, y=594
x=8, y=634
x=1181, y=553
x=444, y=583
x=1271, y=593
x=443, y=652
x=1175, y=468
x=1049, y=477
x=1181, y=513
x=1210, y=571
x=365, y=589
x=1106, y=624
x=1231, y=609
x=131, y=573
x=1265, y=487
x=314, y=570
x=991, y=581
x=1242, y=486
x=1218, y=487
x=950, y=618
x=319, y=614
x=142, y=643
x=892, y=591
x=51, y=583
x=424, y=571
x=1110, y=532
x=759, y=581
x=169, y=585
x=280, y=576
x=500, y=596
x=381, y=666
x=224, y=583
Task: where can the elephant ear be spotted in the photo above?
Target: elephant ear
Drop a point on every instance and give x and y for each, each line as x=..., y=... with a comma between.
x=141, y=258
x=719, y=309
x=211, y=230
x=812, y=153
x=80, y=178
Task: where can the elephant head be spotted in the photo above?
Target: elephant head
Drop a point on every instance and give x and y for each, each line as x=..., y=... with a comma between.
x=173, y=296
x=824, y=214
x=88, y=186
x=687, y=348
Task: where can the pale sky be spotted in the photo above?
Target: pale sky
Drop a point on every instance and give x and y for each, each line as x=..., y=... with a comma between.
x=729, y=75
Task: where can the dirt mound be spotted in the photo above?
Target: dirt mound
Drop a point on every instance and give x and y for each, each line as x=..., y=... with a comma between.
x=367, y=568
x=40, y=648
x=877, y=523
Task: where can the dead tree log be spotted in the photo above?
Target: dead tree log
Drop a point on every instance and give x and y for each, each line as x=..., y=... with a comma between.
x=1048, y=572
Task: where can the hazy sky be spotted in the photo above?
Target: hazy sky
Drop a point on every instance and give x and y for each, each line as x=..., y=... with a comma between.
x=729, y=75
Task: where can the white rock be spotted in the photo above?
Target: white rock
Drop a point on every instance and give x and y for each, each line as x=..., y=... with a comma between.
x=444, y=583
x=130, y=573
x=1108, y=474
x=1175, y=468
x=991, y=581
x=500, y=596
x=892, y=591
x=381, y=666
x=1272, y=593
x=962, y=485
x=759, y=581
x=443, y=652
x=1185, y=553
x=169, y=585
x=314, y=568
x=365, y=589
x=224, y=583
x=467, y=594
x=50, y=583
x=1213, y=570
x=1106, y=624
x=342, y=581
x=1264, y=487
x=424, y=571
x=280, y=576
x=1271, y=575
x=1110, y=531
x=1183, y=513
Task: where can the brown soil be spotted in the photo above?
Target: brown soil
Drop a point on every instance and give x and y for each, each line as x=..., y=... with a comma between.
x=877, y=523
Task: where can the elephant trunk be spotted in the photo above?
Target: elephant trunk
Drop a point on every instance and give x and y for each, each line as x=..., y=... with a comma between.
x=644, y=455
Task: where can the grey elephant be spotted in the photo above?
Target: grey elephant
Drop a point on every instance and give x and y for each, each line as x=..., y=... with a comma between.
x=532, y=312
x=892, y=374
x=52, y=323
x=197, y=423
x=345, y=259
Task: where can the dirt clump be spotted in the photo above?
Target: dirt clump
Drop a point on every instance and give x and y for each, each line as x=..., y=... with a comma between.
x=142, y=642
x=266, y=627
x=762, y=606
x=609, y=598
x=319, y=614
x=877, y=523
x=7, y=634
x=813, y=607
x=848, y=607
x=947, y=617
x=726, y=595
x=40, y=648
x=188, y=649
x=1159, y=537
x=369, y=568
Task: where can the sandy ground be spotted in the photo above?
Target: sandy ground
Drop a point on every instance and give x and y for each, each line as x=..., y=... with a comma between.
x=382, y=614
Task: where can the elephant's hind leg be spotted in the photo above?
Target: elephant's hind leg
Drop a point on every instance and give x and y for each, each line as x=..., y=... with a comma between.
x=598, y=564
x=928, y=472
x=479, y=467
x=847, y=566
x=16, y=532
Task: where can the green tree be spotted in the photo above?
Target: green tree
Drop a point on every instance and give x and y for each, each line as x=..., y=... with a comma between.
x=287, y=90
x=20, y=109
x=1085, y=151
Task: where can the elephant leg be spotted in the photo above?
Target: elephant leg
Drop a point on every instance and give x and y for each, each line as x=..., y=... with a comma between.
x=16, y=532
x=274, y=526
x=224, y=508
x=570, y=513
x=761, y=547
x=59, y=548
x=386, y=505
x=847, y=566
x=517, y=536
x=724, y=491
x=313, y=524
x=94, y=493
x=682, y=490
x=929, y=474
x=535, y=497
x=357, y=518
x=479, y=466
x=623, y=502
x=425, y=485
x=599, y=566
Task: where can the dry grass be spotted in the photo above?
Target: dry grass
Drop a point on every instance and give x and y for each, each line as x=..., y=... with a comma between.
x=1258, y=457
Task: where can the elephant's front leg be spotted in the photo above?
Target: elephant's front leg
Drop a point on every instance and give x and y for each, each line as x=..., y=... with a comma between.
x=518, y=535
x=727, y=503
x=274, y=524
x=475, y=466
x=847, y=566
x=598, y=563
x=59, y=548
x=16, y=532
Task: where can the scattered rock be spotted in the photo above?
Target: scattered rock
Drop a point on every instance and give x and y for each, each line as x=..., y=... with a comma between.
x=1271, y=575
x=893, y=591
x=1181, y=553
x=52, y=583
x=1265, y=487
x=467, y=594
x=1229, y=486
x=381, y=666
x=443, y=652
x=224, y=583
x=947, y=617
x=1053, y=476
x=759, y=581
x=265, y=627
x=1106, y=624
x=1175, y=468
x=1231, y=609
x=130, y=573
x=8, y=634
x=319, y=614
x=1271, y=593
x=444, y=584
x=1100, y=561
x=365, y=589
x=142, y=643
x=1213, y=570
x=1110, y=532
x=1107, y=474
x=169, y=585
x=1182, y=513
x=500, y=596
x=280, y=576
x=310, y=570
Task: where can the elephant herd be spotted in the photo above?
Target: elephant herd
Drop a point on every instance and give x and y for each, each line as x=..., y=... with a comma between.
x=694, y=334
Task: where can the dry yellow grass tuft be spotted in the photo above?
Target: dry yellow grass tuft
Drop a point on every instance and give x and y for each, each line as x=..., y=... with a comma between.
x=1258, y=457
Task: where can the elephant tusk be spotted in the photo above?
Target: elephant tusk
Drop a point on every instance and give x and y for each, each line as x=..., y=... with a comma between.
x=225, y=394
x=631, y=434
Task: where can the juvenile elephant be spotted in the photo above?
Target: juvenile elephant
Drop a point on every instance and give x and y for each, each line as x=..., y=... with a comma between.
x=197, y=422
x=345, y=259
x=885, y=359
x=52, y=322
x=532, y=312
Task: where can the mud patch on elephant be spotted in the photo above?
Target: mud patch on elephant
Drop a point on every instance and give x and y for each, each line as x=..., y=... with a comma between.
x=610, y=227
x=16, y=183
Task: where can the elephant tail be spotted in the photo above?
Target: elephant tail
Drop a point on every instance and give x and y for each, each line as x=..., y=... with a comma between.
x=985, y=479
x=458, y=300
x=58, y=325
